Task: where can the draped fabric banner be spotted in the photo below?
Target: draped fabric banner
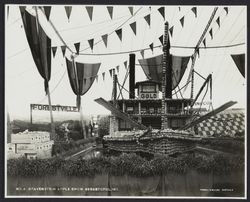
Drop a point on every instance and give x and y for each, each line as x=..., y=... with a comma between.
x=152, y=68
x=80, y=80
x=39, y=45
x=239, y=60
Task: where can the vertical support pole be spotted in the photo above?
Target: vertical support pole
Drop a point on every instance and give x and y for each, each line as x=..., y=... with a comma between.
x=31, y=121
x=166, y=78
x=82, y=124
x=131, y=76
x=192, y=85
x=53, y=134
x=114, y=88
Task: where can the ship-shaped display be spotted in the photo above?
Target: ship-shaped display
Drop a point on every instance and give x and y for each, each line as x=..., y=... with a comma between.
x=148, y=122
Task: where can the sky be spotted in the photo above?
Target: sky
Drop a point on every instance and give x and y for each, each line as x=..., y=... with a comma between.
x=23, y=84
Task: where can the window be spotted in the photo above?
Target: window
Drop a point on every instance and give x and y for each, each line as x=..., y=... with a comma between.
x=124, y=125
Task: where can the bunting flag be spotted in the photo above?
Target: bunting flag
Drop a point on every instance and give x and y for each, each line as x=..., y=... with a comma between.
x=161, y=39
x=125, y=64
x=103, y=76
x=218, y=21
x=133, y=27
x=90, y=11
x=78, y=74
x=39, y=44
x=131, y=9
x=182, y=21
x=148, y=19
x=198, y=52
x=162, y=12
x=105, y=39
x=211, y=33
x=77, y=46
x=194, y=9
x=226, y=9
x=119, y=33
x=239, y=60
x=151, y=47
x=110, y=10
x=68, y=10
x=117, y=69
x=142, y=53
x=63, y=48
x=91, y=43
x=54, y=50
x=47, y=10
x=110, y=72
x=179, y=8
x=204, y=42
x=171, y=30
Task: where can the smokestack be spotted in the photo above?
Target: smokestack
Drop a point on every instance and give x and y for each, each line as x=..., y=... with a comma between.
x=131, y=76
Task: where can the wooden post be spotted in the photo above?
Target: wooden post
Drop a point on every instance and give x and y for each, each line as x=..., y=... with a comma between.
x=31, y=114
x=53, y=133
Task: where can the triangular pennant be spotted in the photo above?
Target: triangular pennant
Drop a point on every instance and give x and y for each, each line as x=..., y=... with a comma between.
x=96, y=78
x=117, y=69
x=105, y=39
x=218, y=21
x=182, y=21
x=90, y=11
x=110, y=72
x=119, y=33
x=179, y=8
x=171, y=30
x=131, y=9
x=162, y=12
x=148, y=19
x=151, y=47
x=77, y=46
x=63, y=48
x=226, y=9
x=161, y=39
x=103, y=76
x=142, y=53
x=47, y=10
x=68, y=10
x=194, y=9
x=211, y=33
x=110, y=10
x=125, y=64
x=91, y=43
x=204, y=42
x=54, y=50
x=133, y=27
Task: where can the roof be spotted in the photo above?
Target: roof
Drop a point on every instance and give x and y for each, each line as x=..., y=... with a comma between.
x=147, y=81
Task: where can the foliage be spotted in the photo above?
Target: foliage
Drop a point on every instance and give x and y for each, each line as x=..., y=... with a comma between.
x=103, y=126
x=126, y=164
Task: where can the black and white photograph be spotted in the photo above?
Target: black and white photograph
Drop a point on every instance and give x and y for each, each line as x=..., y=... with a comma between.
x=125, y=101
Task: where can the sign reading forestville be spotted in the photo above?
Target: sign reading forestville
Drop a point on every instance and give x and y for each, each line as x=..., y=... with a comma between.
x=59, y=108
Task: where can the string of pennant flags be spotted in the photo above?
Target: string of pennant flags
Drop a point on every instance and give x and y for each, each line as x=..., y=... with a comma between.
x=133, y=26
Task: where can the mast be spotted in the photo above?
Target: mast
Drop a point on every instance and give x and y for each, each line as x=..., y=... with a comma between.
x=191, y=75
x=53, y=133
x=166, y=78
